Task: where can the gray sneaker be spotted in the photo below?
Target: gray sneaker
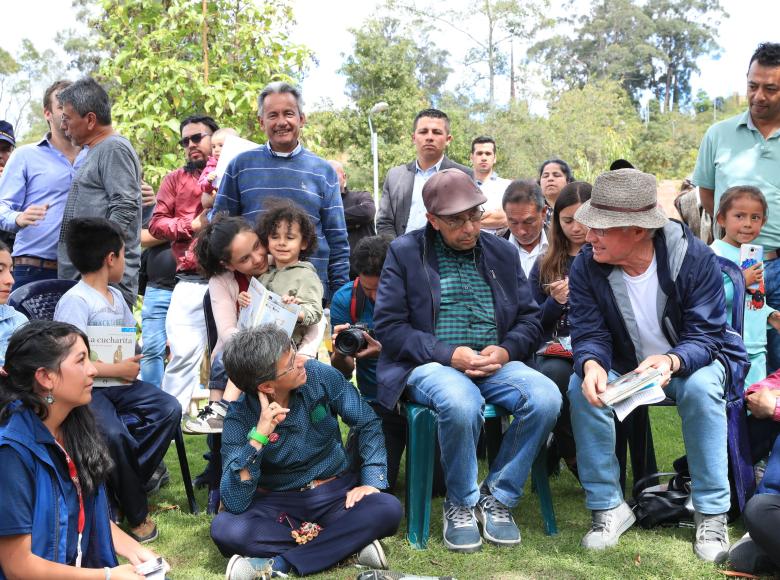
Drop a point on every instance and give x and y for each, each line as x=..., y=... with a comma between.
x=498, y=527
x=240, y=568
x=712, y=537
x=373, y=556
x=209, y=420
x=461, y=532
x=607, y=526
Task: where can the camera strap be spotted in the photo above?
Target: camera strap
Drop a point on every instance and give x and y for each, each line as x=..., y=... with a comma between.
x=358, y=301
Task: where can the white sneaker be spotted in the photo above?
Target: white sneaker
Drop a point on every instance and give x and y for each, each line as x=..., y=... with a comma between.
x=712, y=537
x=607, y=526
x=210, y=420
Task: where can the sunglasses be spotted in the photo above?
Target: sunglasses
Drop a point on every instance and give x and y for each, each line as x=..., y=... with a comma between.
x=197, y=138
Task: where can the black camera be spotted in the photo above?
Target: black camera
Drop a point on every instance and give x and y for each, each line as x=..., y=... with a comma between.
x=350, y=341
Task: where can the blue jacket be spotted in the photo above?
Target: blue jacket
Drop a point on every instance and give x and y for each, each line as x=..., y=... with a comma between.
x=409, y=297
x=691, y=308
x=10, y=320
x=26, y=433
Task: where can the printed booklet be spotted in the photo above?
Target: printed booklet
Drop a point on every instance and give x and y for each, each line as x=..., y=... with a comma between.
x=110, y=344
x=265, y=307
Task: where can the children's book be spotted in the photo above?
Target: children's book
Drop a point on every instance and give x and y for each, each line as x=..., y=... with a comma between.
x=265, y=307
x=110, y=344
x=630, y=383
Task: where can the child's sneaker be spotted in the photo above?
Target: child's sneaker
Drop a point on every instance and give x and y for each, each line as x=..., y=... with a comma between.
x=209, y=420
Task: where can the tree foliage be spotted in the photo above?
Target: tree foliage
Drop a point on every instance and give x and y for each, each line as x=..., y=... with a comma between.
x=155, y=69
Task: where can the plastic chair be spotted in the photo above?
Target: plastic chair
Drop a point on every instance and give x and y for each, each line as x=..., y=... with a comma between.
x=420, y=450
x=215, y=439
x=741, y=468
x=37, y=300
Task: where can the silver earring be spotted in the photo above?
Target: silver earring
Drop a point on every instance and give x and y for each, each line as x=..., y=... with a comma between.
x=49, y=398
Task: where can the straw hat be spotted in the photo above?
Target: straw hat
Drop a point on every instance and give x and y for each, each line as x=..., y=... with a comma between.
x=624, y=197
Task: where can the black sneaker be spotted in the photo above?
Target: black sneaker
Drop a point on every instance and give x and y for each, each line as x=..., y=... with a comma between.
x=160, y=478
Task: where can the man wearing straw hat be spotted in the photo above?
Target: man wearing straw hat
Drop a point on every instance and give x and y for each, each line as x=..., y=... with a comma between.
x=647, y=294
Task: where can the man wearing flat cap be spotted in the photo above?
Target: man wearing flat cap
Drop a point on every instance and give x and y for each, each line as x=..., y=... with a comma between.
x=456, y=318
x=646, y=293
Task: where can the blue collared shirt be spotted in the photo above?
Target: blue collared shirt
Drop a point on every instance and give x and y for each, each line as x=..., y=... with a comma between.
x=417, y=217
x=36, y=174
x=309, y=441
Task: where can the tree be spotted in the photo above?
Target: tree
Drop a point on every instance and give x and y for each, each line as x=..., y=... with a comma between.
x=684, y=30
x=611, y=42
x=153, y=66
x=488, y=26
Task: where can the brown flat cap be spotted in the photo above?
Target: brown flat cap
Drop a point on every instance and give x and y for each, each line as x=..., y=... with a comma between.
x=451, y=191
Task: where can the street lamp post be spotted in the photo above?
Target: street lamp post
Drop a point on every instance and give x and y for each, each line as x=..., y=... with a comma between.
x=378, y=108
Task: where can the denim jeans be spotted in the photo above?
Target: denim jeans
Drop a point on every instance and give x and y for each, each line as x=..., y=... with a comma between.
x=701, y=407
x=26, y=274
x=156, y=302
x=459, y=401
x=772, y=287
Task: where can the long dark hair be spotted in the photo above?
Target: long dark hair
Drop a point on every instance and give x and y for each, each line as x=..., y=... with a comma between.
x=554, y=263
x=45, y=344
x=212, y=248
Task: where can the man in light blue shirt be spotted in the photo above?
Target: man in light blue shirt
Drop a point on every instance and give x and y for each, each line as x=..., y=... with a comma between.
x=745, y=150
x=33, y=191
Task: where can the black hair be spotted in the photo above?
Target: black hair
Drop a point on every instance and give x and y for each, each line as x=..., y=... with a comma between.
x=732, y=194
x=567, y=172
x=369, y=254
x=482, y=140
x=45, y=344
x=205, y=119
x=87, y=96
x=432, y=114
x=90, y=240
x=277, y=210
x=4, y=247
x=767, y=54
x=523, y=191
x=212, y=247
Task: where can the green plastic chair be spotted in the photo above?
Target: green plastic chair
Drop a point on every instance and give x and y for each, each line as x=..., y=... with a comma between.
x=420, y=453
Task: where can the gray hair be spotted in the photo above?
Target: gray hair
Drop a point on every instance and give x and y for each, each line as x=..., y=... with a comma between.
x=276, y=88
x=87, y=96
x=523, y=191
x=250, y=356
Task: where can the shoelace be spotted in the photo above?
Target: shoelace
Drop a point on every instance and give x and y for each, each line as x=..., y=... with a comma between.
x=498, y=511
x=600, y=522
x=206, y=412
x=459, y=515
x=711, y=530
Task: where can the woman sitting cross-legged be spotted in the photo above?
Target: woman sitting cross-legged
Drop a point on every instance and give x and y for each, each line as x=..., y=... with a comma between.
x=54, y=462
x=291, y=499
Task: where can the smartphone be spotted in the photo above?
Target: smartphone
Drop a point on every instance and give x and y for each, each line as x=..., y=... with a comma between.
x=153, y=569
x=749, y=256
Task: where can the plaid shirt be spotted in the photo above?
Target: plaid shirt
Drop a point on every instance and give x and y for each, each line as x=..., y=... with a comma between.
x=309, y=445
x=466, y=316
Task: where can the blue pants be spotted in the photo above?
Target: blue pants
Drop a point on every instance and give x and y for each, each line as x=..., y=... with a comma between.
x=156, y=301
x=764, y=439
x=529, y=396
x=26, y=274
x=701, y=406
x=264, y=531
x=138, y=422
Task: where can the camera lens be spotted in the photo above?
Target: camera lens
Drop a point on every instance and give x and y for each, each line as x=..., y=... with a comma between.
x=350, y=341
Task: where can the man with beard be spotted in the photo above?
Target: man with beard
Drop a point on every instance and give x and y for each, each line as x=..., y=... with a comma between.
x=178, y=217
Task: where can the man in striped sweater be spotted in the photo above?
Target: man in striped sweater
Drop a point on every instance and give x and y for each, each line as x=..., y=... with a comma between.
x=283, y=168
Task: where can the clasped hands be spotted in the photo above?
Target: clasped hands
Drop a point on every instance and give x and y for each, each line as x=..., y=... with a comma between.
x=479, y=364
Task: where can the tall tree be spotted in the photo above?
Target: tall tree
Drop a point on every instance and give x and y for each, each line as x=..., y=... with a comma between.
x=155, y=74
x=684, y=30
x=611, y=42
x=487, y=27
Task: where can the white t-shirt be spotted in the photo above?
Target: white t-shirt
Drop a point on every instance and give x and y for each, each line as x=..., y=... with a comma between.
x=528, y=259
x=493, y=188
x=84, y=306
x=643, y=293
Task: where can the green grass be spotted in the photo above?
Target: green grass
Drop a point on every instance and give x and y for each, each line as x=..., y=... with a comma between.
x=662, y=553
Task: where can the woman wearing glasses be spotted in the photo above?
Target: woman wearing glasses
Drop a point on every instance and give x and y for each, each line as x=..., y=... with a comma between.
x=54, y=464
x=294, y=499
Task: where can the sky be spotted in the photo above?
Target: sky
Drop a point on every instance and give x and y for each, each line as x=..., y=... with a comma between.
x=324, y=28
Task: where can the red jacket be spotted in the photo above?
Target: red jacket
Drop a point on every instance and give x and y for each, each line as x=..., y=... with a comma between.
x=178, y=203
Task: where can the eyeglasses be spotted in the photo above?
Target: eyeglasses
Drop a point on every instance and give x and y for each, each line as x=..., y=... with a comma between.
x=291, y=365
x=457, y=223
x=197, y=138
x=599, y=232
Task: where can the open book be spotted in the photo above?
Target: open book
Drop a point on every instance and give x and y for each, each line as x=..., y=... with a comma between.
x=626, y=393
x=267, y=308
x=110, y=344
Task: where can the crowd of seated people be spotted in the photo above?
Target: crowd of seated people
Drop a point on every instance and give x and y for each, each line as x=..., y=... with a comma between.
x=569, y=287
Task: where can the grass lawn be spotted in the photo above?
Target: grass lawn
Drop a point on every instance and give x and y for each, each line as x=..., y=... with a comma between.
x=662, y=553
